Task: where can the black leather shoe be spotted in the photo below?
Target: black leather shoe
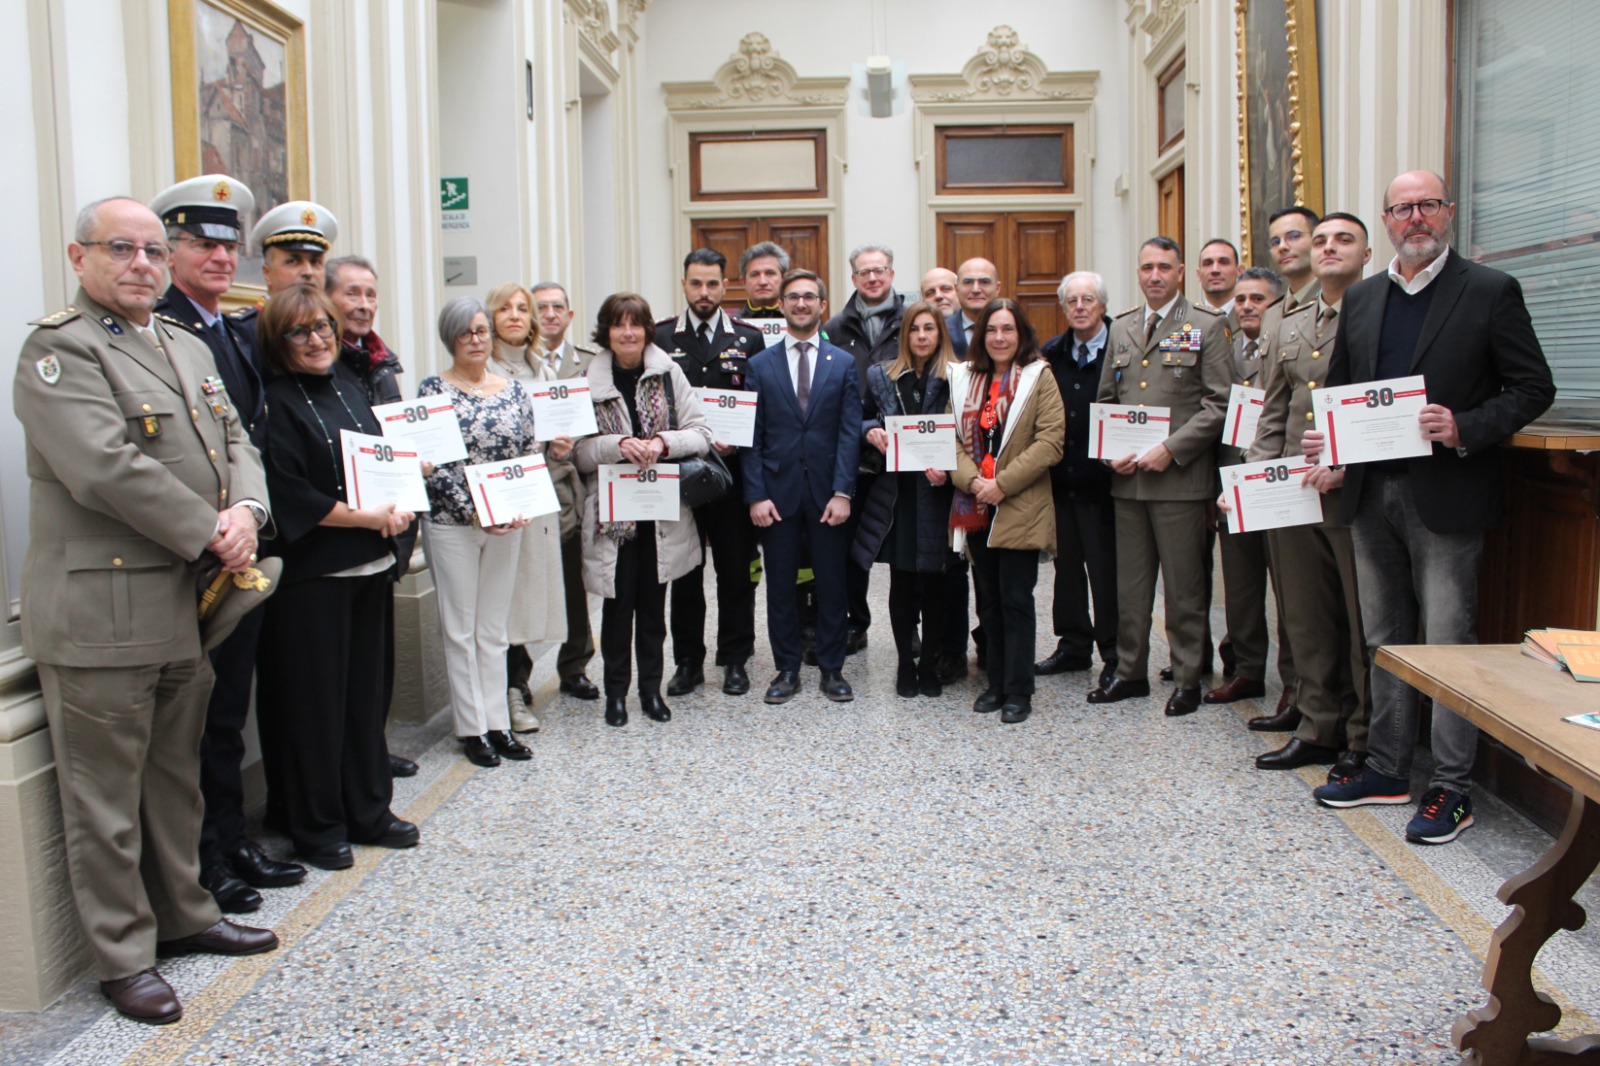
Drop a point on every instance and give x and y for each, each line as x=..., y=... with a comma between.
x=1166, y=673
x=928, y=683
x=616, y=710
x=1348, y=765
x=1107, y=672
x=1295, y=754
x=507, y=746
x=332, y=857
x=988, y=701
x=397, y=834
x=400, y=766
x=259, y=870
x=1119, y=689
x=905, y=680
x=144, y=997
x=1183, y=701
x=654, y=707
x=1016, y=709
x=479, y=752
x=783, y=687
x=735, y=682
x=1240, y=688
x=1285, y=721
x=580, y=687
x=233, y=896
x=952, y=667
x=835, y=687
x=1061, y=661
x=224, y=938
x=855, y=640
x=687, y=678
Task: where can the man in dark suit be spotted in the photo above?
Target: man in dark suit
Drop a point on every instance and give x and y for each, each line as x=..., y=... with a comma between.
x=799, y=475
x=203, y=221
x=713, y=350
x=977, y=282
x=1418, y=523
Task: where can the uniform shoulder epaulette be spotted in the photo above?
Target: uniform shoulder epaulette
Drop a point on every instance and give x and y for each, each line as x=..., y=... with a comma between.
x=1302, y=309
x=187, y=327
x=1212, y=311
x=244, y=313
x=667, y=321
x=584, y=348
x=1129, y=311
x=56, y=318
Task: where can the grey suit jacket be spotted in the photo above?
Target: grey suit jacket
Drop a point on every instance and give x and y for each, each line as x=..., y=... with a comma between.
x=131, y=454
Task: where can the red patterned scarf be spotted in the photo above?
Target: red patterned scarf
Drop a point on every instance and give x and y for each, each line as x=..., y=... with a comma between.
x=983, y=423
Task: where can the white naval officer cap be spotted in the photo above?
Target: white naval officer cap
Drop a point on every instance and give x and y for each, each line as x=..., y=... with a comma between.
x=299, y=225
x=212, y=205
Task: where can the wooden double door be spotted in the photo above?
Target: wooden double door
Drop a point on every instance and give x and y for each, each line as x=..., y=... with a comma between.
x=804, y=237
x=1032, y=250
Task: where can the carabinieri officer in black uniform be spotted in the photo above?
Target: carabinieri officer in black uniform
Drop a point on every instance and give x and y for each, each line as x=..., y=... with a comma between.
x=712, y=349
x=203, y=217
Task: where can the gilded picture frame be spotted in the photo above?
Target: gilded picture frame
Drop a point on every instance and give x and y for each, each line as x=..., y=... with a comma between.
x=239, y=108
x=1280, y=115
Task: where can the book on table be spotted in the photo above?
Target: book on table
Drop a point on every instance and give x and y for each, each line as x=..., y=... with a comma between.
x=1577, y=651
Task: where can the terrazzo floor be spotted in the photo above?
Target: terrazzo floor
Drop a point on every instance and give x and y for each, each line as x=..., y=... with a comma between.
x=885, y=881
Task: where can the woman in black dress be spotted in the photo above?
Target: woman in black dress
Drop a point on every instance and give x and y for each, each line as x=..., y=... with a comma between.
x=320, y=681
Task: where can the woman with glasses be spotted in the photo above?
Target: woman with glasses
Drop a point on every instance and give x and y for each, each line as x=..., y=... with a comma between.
x=1010, y=428
x=647, y=413
x=905, y=520
x=320, y=676
x=475, y=566
x=538, y=606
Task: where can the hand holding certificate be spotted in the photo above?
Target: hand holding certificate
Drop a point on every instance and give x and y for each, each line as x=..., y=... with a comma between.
x=379, y=471
x=1372, y=421
x=629, y=494
x=1244, y=414
x=731, y=414
x=1270, y=495
x=1123, y=431
x=427, y=426
x=518, y=488
x=920, y=442
x=562, y=409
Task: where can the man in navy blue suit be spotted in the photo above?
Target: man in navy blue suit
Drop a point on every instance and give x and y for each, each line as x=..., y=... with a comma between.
x=799, y=475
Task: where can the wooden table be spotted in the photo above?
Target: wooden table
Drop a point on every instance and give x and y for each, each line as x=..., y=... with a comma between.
x=1520, y=703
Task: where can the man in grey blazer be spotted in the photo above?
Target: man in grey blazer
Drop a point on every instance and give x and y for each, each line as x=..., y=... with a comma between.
x=138, y=470
x=1418, y=523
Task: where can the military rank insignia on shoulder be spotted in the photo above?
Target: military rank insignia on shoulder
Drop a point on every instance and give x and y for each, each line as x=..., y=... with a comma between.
x=1212, y=311
x=56, y=318
x=180, y=323
x=1129, y=311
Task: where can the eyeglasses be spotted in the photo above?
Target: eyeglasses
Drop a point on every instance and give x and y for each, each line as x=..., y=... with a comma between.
x=802, y=298
x=1080, y=301
x=124, y=251
x=300, y=336
x=1293, y=235
x=481, y=333
x=871, y=272
x=1425, y=208
x=977, y=280
x=206, y=246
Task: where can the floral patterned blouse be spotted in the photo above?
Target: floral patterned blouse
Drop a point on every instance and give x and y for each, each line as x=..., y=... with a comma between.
x=496, y=428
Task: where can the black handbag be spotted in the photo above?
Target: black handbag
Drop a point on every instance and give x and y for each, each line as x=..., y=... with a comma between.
x=701, y=479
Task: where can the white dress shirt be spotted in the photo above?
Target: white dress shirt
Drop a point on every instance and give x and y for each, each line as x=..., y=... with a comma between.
x=791, y=349
x=1424, y=276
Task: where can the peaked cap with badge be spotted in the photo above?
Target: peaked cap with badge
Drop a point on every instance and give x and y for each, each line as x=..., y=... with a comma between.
x=212, y=205
x=298, y=225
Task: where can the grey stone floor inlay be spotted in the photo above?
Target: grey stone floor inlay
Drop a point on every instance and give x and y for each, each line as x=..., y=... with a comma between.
x=884, y=881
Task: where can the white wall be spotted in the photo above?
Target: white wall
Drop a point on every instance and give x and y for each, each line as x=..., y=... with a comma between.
x=689, y=41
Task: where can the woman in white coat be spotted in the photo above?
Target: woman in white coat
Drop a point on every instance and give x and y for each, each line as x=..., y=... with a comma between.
x=630, y=564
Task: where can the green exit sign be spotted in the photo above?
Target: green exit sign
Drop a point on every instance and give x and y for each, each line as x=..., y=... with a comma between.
x=453, y=194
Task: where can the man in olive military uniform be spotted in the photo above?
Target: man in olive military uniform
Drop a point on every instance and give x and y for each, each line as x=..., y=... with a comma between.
x=714, y=351
x=1316, y=564
x=204, y=220
x=1165, y=354
x=138, y=468
x=566, y=356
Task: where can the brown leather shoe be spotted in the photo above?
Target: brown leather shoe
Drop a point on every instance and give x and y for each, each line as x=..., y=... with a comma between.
x=1285, y=721
x=144, y=997
x=1240, y=688
x=224, y=938
x=1183, y=701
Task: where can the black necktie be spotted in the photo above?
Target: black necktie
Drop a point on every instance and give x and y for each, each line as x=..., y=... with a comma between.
x=1083, y=356
x=236, y=369
x=704, y=332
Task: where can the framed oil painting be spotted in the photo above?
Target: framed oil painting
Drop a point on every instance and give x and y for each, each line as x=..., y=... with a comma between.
x=239, y=106
x=1280, y=115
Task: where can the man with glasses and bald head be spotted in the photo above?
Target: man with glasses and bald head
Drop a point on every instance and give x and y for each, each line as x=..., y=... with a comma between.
x=977, y=282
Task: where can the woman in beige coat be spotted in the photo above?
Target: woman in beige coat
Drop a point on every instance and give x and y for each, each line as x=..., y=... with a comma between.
x=630, y=564
x=538, y=607
x=1010, y=427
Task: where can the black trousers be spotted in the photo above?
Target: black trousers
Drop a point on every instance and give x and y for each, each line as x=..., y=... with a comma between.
x=321, y=712
x=858, y=579
x=914, y=593
x=783, y=546
x=222, y=746
x=1086, y=548
x=1005, y=578
x=726, y=529
x=573, y=657
x=634, y=621
x=955, y=616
